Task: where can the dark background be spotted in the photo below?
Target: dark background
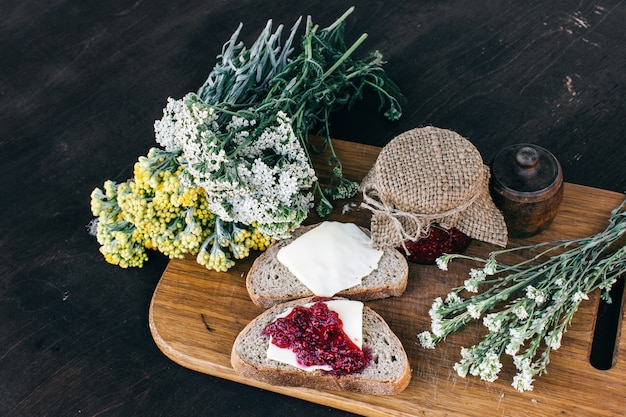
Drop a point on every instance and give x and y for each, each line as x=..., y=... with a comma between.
x=81, y=83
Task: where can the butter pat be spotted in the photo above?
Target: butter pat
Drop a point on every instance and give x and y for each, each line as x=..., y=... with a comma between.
x=330, y=258
x=351, y=314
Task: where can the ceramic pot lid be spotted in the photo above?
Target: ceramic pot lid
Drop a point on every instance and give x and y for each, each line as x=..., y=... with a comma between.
x=526, y=168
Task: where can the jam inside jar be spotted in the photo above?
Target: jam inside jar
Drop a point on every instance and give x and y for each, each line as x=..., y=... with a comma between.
x=439, y=241
x=315, y=334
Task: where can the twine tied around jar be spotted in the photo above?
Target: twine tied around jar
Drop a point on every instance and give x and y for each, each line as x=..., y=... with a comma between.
x=425, y=176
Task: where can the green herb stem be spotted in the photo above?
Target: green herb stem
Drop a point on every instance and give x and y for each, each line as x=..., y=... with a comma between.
x=345, y=56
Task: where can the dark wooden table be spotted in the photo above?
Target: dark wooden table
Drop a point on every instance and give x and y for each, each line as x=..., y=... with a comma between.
x=81, y=84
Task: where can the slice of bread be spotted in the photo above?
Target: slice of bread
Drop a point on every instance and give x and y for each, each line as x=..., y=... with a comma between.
x=388, y=373
x=269, y=282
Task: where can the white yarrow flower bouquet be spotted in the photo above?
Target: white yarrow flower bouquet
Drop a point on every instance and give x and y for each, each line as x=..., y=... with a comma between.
x=253, y=169
x=526, y=308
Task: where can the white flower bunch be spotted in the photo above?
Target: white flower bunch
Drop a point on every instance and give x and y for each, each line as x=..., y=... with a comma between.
x=527, y=307
x=253, y=168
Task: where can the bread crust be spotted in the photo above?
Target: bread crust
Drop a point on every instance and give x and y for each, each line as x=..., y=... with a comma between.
x=275, y=373
x=393, y=287
x=318, y=381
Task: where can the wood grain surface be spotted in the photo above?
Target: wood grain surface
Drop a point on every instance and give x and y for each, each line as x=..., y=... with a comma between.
x=196, y=314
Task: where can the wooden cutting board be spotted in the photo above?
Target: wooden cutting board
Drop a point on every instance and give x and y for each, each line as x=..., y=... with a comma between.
x=196, y=314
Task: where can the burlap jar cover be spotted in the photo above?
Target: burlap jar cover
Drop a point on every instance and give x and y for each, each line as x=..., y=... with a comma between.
x=425, y=176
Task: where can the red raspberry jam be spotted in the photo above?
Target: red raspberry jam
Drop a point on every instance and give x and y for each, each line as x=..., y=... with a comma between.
x=439, y=241
x=316, y=336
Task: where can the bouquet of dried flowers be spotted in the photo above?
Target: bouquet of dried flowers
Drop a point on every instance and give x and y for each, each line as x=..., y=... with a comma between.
x=234, y=171
x=527, y=307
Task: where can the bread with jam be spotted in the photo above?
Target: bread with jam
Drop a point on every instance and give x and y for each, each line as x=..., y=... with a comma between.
x=387, y=371
x=269, y=282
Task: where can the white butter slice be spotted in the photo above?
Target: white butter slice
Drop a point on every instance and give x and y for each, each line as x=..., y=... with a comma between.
x=332, y=257
x=351, y=314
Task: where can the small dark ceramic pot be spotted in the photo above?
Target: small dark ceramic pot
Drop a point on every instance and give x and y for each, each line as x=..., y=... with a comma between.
x=527, y=186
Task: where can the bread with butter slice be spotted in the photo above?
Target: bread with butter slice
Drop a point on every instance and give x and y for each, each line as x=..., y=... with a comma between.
x=388, y=373
x=269, y=282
